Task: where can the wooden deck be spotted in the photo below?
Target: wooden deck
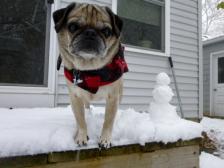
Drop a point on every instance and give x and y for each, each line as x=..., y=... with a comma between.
x=181, y=154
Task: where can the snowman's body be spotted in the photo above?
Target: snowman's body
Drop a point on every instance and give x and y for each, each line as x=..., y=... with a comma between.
x=160, y=108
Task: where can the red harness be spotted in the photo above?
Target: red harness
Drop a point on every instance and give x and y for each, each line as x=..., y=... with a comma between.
x=91, y=80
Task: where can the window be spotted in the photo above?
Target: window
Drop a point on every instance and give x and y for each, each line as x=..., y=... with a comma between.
x=221, y=70
x=24, y=35
x=144, y=23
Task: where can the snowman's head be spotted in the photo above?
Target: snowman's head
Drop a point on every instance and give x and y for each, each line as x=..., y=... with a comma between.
x=162, y=79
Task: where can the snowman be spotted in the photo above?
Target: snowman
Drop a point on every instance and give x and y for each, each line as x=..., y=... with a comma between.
x=160, y=108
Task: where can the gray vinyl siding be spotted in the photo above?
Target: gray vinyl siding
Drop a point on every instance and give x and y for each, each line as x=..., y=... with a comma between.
x=207, y=50
x=140, y=81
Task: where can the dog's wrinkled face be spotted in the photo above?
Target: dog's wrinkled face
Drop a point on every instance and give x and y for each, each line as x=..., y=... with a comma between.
x=87, y=31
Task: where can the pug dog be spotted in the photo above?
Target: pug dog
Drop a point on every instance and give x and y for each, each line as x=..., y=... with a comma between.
x=90, y=49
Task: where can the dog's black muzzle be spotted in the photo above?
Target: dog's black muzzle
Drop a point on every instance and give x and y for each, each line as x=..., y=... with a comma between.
x=88, y=41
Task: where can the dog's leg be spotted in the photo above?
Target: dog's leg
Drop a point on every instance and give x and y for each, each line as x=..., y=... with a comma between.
x=111, y=110
x=87, y=106
x=79, y=112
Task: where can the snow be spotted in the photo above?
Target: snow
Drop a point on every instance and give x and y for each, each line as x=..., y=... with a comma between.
x=215, y=131
x=210, y=161
x=41, y=130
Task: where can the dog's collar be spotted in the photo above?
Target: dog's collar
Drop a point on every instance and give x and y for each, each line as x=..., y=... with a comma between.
x=91, y=80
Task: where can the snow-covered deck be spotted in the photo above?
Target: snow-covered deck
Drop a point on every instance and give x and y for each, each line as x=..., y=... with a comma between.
x=44, y=130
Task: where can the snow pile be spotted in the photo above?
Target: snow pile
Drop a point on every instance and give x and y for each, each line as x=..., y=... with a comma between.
x=210, y=161
x=215, y=131
x=42, y=130
x=164, y=115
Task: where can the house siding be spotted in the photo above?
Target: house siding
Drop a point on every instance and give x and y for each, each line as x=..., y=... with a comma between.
x=207, y=50
x=140, y=81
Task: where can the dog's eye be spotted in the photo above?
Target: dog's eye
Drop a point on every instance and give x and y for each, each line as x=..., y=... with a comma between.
x=107, y=32
x=72, y=27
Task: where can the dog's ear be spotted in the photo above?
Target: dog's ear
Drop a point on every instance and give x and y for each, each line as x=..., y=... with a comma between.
x=116, y=22
x=60, y=16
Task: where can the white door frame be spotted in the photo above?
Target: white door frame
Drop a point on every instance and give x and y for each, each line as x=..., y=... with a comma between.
x=212, y=55
x=50, y=89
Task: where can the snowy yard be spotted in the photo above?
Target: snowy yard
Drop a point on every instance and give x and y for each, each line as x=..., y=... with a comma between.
x=210, y=161
x=215, y=131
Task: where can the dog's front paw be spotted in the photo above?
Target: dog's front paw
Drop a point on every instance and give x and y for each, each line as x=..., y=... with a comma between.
x=105, y=141
x=81, y=138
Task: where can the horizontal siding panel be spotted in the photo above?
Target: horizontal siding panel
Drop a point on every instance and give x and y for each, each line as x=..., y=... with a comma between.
x=185, y=66
x=184, y=27
x=183, y=20
x=185, y=46
x=148, y=85
x=138, y=92
x=187, y=60
x=184, y=53
x=126, y=99
x=186, y=40
x=191, y=114
x=135, y=100
x=148, y=61
x=184, y=7
x=190, y=3
x=184, y=14
x=155, y=70
x=184, y=33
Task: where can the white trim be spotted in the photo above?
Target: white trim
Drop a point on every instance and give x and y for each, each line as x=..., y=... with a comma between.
x=210, y=86
x=144, y=51
x=56, y=51
x=200, y=110
x=50, y=89
x=167, y=33
x=211, y=103
x=214, y=40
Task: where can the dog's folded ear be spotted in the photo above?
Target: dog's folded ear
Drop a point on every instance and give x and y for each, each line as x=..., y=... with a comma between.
x=116, y=22
x=60, y=16
x=59, y=62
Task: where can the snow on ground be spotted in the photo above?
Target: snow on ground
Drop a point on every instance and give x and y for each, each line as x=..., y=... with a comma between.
x=210, y=161
x=215, y=131
x=41, y=130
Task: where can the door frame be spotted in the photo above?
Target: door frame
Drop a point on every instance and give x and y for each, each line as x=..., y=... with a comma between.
x=211, y=101
x=52, y=52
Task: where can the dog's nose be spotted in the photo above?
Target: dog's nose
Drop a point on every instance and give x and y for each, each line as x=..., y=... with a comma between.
x=90, y=33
